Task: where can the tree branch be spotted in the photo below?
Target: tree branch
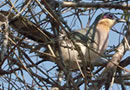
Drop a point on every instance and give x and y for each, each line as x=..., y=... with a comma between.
x=92, y=5
x=108, y=73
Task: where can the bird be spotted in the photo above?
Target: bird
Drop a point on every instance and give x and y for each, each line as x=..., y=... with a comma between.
x=87, y=44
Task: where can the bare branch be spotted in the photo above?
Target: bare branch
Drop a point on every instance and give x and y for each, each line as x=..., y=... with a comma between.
x=93, y=5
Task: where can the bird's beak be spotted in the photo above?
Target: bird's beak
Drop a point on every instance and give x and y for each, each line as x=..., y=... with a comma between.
x=121, y=20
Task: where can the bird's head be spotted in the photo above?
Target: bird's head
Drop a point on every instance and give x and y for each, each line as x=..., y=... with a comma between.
x=107, y=20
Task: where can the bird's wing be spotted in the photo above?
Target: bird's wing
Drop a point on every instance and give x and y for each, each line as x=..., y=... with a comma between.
x=82, y=36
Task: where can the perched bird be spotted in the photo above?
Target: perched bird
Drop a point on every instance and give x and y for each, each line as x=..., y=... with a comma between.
x=91, y=42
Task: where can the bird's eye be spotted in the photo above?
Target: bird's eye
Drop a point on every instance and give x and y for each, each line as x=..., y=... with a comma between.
x=110, y=16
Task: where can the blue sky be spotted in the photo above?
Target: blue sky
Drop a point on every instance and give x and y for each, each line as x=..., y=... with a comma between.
x=113, y=38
